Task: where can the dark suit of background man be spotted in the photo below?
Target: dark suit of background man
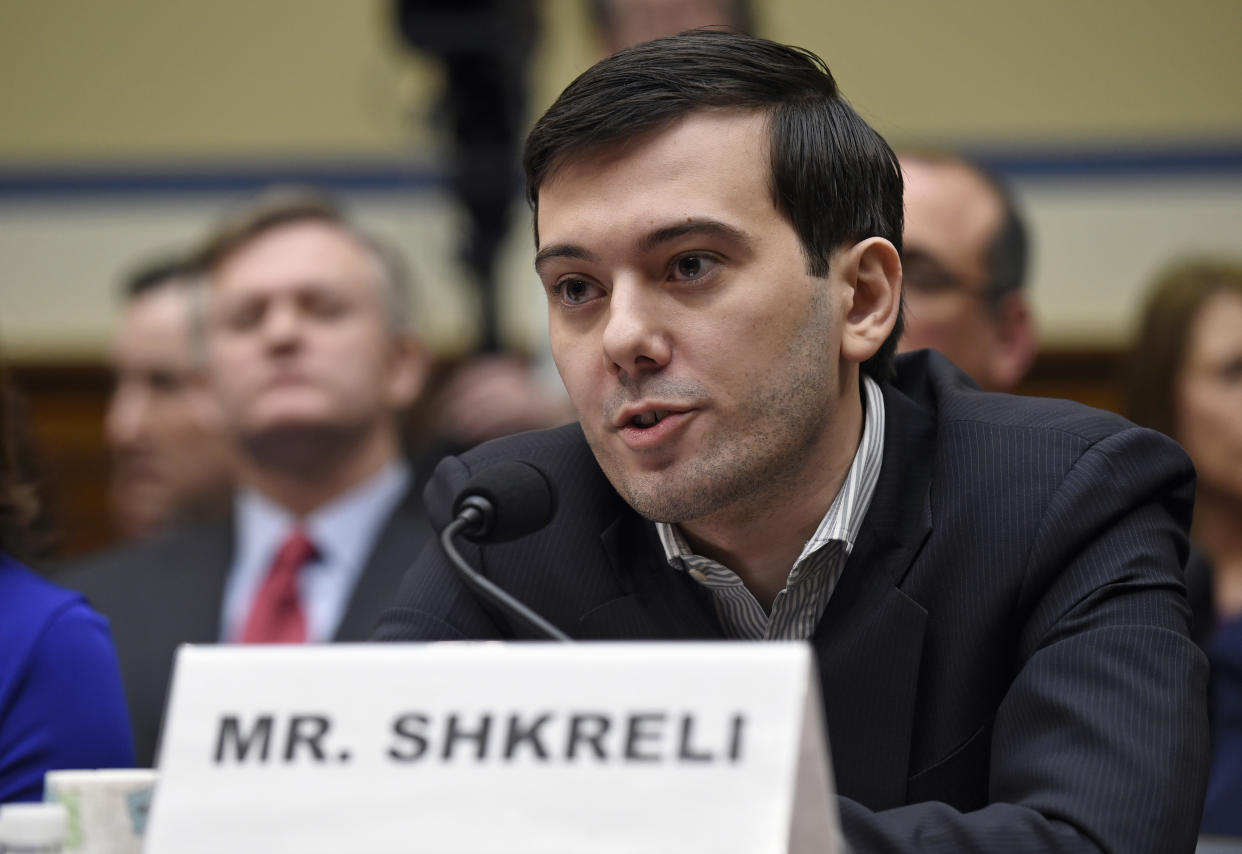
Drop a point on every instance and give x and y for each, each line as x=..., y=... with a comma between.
x=310, y=356
x=992, y=584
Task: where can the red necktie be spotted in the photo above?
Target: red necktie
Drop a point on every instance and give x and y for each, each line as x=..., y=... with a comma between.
x=276, y=616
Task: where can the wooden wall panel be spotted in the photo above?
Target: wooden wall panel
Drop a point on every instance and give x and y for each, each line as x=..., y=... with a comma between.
x=1090, y=376
x=66, y=403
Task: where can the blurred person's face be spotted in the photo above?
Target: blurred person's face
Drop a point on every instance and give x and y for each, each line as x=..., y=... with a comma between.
x=1209, y=396
x=163, y=425
x=632, y=21
x=951, y=218
x=300, y=343
x=705, y=363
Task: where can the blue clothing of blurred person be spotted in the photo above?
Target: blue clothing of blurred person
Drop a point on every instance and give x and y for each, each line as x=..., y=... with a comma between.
x=61, y=703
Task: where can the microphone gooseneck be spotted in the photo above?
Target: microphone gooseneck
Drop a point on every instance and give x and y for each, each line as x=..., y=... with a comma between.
x=503, y=502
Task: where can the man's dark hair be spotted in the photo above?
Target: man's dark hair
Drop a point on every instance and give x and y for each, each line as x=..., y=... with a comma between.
x=834, y=177
x=156, y=274
x=1008, y=252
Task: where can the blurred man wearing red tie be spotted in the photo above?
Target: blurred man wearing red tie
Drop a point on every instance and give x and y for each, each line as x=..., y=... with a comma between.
x=310, y=356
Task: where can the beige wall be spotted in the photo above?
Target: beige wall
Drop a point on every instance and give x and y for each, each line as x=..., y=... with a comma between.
x=136, y=79
x=245, y=78
x=1014, y=70
x=145, y=81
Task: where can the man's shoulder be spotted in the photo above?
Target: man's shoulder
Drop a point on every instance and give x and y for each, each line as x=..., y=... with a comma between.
x=1011, y=448
x=179, y=548
x=935, y=384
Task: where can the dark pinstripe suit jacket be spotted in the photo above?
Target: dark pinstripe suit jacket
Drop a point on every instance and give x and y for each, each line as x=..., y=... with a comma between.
x=169, y=590
x=1005, y=662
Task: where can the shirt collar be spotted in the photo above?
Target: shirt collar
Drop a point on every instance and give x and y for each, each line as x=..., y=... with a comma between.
x=341, y=529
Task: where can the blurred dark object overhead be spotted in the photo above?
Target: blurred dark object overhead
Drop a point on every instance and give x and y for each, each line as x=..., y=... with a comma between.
x=485, y=47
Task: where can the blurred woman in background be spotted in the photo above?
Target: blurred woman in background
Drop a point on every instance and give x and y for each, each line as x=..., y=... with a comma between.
x=61, y=703
x=1186, y=381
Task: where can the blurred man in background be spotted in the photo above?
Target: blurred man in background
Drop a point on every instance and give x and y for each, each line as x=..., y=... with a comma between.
x=964, y=263
x=310, y=356
x=622, y=23
x=169, y=457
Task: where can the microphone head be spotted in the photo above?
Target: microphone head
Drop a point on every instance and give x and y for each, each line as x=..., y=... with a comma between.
x=520, y=496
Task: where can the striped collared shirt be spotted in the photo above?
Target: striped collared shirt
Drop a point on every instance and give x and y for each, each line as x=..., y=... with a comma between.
x=815, y=573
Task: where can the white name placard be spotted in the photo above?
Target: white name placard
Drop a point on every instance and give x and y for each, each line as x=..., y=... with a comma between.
x=487, y=747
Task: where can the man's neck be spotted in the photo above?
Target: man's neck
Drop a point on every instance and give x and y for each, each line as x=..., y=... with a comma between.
x=762, y=539
x=319, y=472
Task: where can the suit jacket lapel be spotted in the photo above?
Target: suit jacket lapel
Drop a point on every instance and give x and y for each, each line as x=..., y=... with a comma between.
x=869, y=642
x=399, y=542
x=870, y=625
x=204, y=556
x=658, y=602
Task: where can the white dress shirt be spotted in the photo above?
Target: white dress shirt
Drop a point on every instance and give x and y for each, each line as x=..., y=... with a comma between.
x=344, y=533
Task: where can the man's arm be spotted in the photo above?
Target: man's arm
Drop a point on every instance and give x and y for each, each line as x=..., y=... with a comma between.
x=1100, y=743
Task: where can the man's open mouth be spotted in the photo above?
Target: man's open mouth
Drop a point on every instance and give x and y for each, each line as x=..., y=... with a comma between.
x=649, y=419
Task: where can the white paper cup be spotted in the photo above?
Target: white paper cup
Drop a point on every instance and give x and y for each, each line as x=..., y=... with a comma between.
x=107, y=808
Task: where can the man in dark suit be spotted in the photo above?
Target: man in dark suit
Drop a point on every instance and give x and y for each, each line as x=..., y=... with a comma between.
x=310, y=355
x=992, y=585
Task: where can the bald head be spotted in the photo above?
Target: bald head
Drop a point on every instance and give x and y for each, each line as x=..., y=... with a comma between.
x=964, y=257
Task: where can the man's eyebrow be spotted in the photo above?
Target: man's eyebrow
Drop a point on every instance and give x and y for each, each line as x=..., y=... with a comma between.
x=561, y=250
x=711, y=227
x=708, y=227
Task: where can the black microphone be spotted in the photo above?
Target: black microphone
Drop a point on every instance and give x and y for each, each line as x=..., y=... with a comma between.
x=511, y=499
x=503, y=502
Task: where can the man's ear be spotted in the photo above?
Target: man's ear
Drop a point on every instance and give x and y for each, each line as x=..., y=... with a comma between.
x=873, y=268
x=408, y=374
x=1016, y=342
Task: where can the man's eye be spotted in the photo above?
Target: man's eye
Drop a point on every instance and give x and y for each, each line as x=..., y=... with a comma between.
x=165, y=382
x=1231, y=371
x=324, y=306
x=576, y=291
x=244, y=316
x=692, y=266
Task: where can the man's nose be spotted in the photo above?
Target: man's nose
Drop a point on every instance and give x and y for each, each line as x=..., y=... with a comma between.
x=636, y=339
x=282, y=325
x=126, y=420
